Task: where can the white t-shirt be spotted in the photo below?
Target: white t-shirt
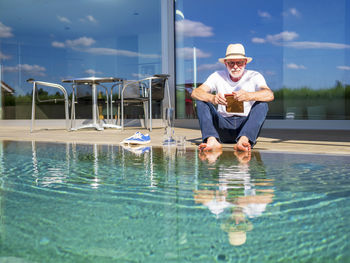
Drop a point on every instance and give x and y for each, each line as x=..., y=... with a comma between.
x=220, y=82
x=237, y=177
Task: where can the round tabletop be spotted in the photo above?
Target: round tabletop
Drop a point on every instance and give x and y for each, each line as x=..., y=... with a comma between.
x=92, y=80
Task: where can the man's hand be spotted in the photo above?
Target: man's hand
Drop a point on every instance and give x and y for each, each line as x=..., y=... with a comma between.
x=219, y=99
x=264, y=94
x=242, y=95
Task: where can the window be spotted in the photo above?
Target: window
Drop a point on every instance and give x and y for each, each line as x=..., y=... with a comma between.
x=53, y=40
x=301, y=48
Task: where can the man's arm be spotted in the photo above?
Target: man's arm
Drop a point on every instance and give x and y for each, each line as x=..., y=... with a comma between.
x=203, y=93
x=264, y=94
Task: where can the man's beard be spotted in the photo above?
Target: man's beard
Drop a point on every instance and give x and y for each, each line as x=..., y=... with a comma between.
x=236, y=74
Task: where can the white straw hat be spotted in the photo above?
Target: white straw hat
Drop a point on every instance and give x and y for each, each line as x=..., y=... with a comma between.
x=235, y=51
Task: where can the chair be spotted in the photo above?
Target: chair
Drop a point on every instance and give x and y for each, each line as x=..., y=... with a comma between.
x=144, y=91
x=36, y=95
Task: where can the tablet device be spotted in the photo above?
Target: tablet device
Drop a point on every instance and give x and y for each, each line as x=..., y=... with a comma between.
x=233, y=105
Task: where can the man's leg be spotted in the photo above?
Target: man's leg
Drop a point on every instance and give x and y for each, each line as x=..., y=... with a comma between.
x=214, y=127
x=207, y=116
x=250, y=130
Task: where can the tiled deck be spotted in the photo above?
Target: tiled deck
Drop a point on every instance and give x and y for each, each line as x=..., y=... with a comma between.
x=305, y=141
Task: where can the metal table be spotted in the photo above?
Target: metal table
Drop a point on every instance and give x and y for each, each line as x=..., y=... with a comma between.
x=93, y=82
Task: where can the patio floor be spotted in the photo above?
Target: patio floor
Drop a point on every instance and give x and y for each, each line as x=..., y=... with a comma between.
x=305, y=141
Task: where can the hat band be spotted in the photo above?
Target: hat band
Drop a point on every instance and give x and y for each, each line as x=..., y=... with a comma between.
x=235, y=54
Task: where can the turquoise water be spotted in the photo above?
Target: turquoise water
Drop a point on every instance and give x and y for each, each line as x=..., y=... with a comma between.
x=89, y=203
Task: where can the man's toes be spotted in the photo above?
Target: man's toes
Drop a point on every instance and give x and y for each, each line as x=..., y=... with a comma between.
x=244, y=147
x=204, y=147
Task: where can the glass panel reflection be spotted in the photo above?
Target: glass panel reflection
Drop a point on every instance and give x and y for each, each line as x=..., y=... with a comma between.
x=73, y=39
x=303, y=56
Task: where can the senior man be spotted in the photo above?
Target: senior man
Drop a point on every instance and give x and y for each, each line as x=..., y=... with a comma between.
x=247, y=86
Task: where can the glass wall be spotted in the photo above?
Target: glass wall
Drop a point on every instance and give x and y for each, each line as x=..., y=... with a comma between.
x=58, y=39
x=301, y=47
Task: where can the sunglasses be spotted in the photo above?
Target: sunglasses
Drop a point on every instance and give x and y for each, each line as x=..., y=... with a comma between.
x=239, y=63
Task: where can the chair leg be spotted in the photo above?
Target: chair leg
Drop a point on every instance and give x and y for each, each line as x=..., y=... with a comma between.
x=118, y=119
x=146, y=113
x=122, y=114
x=33, y=108
x=150, y=104
x=72, y=117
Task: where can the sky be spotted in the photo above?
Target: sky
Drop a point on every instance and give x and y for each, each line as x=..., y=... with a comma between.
x=293, y=43
x=59, y=39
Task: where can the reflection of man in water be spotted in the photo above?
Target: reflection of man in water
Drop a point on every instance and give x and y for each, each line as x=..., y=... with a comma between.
x=237, y=226
x=235, y=192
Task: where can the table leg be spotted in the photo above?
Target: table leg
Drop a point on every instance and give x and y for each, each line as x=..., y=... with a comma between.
x=150, y=105
x=109, y=120
x=94, y=111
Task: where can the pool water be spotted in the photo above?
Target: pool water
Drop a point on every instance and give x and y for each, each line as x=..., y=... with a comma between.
x=93, y=203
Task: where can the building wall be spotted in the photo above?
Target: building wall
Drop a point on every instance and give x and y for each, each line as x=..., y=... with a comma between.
x=303, y=56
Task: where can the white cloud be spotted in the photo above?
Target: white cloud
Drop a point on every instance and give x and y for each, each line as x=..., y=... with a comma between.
x=58, y=44
x=83, y=44
x=3, y=56
x=117, y=52
x=110, y=51
x=75, y=43
x=268, y=72
x=92, y=72
x=283, y=36
x=343, y=67
x=292, y=12
x=187, y=53
x=33, y=70
x=258, y=40
x=211, y=67
x=190, y=28
x=285, y=39
x=5, y=31
x=295, y=66
x=316, y=45
x=82, y=41
x=63, y=19
x=88, y=18
x=91, y=19
x=276, y=39
x=264, y=14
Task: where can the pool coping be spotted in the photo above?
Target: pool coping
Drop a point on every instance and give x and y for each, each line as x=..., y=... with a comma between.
x=297, y=141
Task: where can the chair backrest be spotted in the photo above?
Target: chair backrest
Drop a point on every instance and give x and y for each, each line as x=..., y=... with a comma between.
x=158, y=86
x=83, y=91
x=139, y=89
x=133, y=90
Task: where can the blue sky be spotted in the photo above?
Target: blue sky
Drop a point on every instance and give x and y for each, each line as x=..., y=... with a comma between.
x=293, y=43
x=53, y=40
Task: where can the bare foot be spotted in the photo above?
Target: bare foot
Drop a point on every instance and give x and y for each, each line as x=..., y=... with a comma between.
x=243, y=145
x=243, y=157
x=211, y=145
x=210, y=156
